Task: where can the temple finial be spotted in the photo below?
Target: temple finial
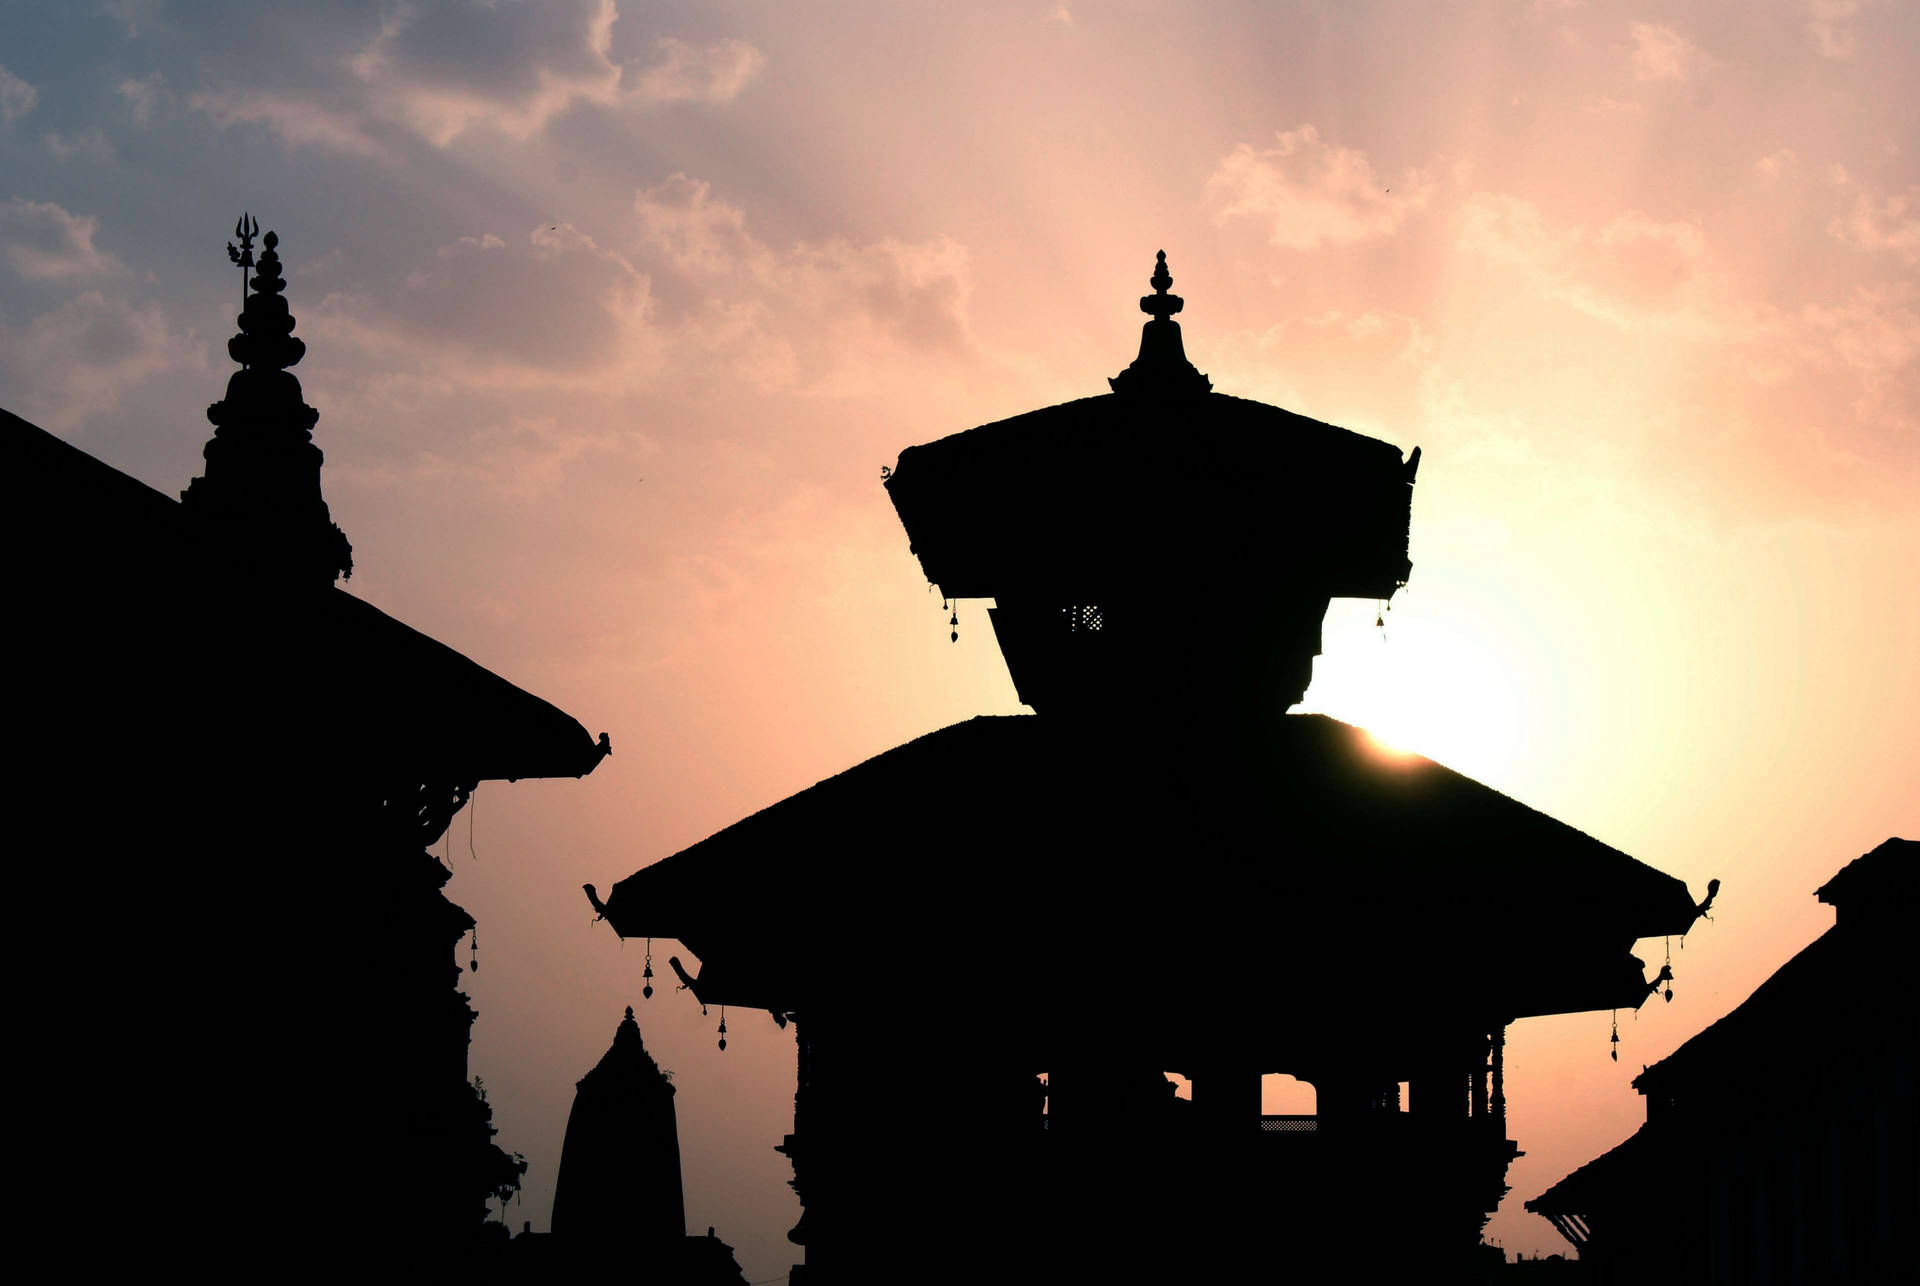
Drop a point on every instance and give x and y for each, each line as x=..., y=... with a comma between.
x=1162, y=368
x=1160, y=304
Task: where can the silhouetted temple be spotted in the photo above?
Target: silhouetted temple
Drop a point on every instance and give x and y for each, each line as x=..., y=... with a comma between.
x=1781, y=1143
x=617, y=1203
x=1159, y=871
x=619, y=1181
x=247, y=1024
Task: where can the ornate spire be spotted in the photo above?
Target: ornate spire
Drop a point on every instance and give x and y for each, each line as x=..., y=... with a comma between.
x=1162, y=368
x=261, y=489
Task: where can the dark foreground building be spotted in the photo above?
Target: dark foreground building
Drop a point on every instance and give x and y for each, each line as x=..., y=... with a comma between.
x=1781, y=1143
x=1159, y=871
x=237, y=1022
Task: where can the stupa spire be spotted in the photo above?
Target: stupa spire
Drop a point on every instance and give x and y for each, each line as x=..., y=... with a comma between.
x=260, y=494
x=1162, y=368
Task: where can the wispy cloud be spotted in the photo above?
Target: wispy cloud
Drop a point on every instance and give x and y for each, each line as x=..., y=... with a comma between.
x=1661, y=53
x=82, y=145
x=1830, y=25
x=1312, y=193
x=441, y=72
x=1891, y=224
x=144, y=97
x=17, y=97
x=44, y=241
x=714, y=73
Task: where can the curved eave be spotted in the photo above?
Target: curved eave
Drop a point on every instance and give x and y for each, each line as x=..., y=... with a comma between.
x=1009, y=818
x=1079, y=495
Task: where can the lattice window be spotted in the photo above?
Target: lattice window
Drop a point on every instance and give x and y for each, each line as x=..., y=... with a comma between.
x=1083, y=617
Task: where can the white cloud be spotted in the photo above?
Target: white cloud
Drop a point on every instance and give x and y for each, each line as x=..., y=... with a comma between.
x=440, y=72
x=1661, y=53
x=825, y=317
x=82, y=359
x=1311, y=193
x=295, y=118
x=714, y=73
x=17, y=97
x=144, y=97
x=1774, y=164
x=1892, y=224
x=1634, y=272
x=410, y=79
x=44, y=241
x=85, y=145
x=1830, y=24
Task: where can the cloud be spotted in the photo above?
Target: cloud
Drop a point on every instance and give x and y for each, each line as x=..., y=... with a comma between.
x=1892, y=224
x=81, y=359
x=144, y=97
x=17, y=97
x=86, y=145
x=42, y=241
x=1830, y=24
x=1311, y=193
x=439, y=72
x=1773, y=164
x=295, y=118
x=824, y=317
x=1361, y=370
x=1634, y=272
x=1661, y=53
x=445, y=69
x=714, y=73
x=554, y=310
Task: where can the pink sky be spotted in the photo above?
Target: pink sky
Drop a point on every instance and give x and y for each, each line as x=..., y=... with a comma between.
x=614, y=316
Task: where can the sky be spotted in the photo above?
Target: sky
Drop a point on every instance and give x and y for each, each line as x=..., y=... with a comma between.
x=615, y=313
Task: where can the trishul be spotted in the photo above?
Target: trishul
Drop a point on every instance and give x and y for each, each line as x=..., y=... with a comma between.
x=246, y=229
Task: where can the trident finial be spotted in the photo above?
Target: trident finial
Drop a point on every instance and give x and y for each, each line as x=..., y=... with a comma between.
x=246, y=229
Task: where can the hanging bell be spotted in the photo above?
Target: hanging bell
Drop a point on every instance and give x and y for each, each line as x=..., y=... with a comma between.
x=1380, y=621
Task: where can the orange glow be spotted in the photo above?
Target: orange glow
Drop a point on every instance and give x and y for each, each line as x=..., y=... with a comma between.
x=611, y=332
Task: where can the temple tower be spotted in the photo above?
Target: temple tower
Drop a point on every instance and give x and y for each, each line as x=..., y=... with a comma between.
x=1161, y=870
x=260, y=496
x=619, y=1181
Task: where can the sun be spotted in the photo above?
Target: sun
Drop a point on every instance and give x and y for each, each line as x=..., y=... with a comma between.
x=1417, y=689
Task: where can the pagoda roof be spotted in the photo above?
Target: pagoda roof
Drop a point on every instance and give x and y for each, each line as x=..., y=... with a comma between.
x=409, y=706
x=1069, y=845
x=1601, y=1182
x=1087, y=492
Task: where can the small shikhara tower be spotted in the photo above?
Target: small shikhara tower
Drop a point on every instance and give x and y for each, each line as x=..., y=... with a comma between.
x=260, y=496
x=1159, y=871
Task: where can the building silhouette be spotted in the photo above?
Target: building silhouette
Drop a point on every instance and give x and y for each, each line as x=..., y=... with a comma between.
x=617, y=1203
x=248, y=1021
x=619, y=1181
x=1161, y=870
x=1781, y=1143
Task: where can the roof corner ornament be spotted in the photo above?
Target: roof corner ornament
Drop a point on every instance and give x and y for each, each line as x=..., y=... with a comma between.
x=1162, y=369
